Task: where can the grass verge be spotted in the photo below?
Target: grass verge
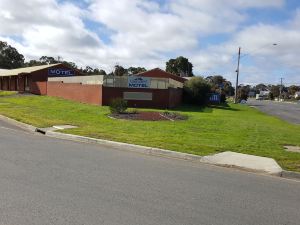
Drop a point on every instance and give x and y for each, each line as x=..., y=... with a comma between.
x=7, y=93
x=208, y=130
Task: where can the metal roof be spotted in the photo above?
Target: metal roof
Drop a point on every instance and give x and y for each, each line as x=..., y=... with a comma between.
x=157, y=72
x=14, y=72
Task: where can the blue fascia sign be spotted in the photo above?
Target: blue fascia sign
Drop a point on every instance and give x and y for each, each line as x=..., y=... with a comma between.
x=138, y=82
x=55, y=72
x=216, y=98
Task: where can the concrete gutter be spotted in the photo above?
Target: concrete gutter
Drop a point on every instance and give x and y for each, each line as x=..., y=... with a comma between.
x=23, y=126
x=225, y=161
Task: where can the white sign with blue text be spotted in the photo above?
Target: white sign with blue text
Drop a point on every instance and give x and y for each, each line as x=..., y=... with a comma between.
x=138, y=82
x=60, y=72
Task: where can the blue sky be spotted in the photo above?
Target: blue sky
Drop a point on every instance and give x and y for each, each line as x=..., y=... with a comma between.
x=102, y=33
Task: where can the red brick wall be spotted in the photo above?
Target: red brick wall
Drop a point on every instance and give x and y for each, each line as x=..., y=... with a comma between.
x=91, y=94
x=160, y=97
x=38, y=87
x=38, y=80
x=5, y=84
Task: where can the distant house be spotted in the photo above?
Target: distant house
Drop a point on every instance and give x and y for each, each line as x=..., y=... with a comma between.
x=262, y=95
x=297, y=94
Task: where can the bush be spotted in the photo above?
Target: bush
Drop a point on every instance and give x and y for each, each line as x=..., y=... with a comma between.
x=223, y=98
x=242, y=94
x=196, y=91
x=118, y=105
x=271, y=96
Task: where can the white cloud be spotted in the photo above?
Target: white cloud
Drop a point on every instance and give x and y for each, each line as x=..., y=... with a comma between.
x=147, y=33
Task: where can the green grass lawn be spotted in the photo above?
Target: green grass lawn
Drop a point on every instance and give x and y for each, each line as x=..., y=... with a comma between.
x=7, y=93
x=208, y=130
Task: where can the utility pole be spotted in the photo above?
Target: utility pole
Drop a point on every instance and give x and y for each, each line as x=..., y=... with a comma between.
x=237, y=76
x=280, y=90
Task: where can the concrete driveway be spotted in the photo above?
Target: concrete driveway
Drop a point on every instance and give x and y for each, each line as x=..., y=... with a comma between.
x=286, y=111
x=51, y=181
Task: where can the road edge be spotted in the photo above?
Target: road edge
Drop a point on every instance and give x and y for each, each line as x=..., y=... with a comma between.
x=131, y=147
x=19, y=124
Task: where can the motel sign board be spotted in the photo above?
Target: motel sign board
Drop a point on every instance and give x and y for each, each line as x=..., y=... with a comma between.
x=138, y=82
x=60, y=72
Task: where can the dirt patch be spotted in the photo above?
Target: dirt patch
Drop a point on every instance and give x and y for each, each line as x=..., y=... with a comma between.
x=148, y=116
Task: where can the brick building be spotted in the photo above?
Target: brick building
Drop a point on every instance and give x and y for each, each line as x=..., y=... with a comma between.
x=154, y=88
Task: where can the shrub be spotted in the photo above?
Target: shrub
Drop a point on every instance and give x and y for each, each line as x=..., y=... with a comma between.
x=133, y=111
x=271, y=96
x=223, y=97
x=196, y=91
x=242, y=94
x=118, y=105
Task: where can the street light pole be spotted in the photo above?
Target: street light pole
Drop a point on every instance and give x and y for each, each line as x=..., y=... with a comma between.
x=237, y=76
x=238, y=71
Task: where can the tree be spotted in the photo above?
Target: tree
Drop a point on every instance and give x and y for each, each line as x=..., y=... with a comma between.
x=220, y=85
x=88, y=70
x=97, y=71
x=243, y=92
x=70, y=64
x=260, y=87
x=293, y=89
x=47, y=60
x=180, y=66
x=34, y=62
x=196, y=91
x=271, y=96
x=136, y=70
x=10, y=58
x=275, y=90
x=102, y=72
x=119, y=71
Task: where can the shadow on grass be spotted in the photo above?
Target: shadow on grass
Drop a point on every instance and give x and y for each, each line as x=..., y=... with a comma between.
x=204, y=109
x=193, y=108
x=223, y=106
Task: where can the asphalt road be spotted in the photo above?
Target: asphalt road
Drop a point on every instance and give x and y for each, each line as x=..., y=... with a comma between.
x=51, y=181
x=286, y=111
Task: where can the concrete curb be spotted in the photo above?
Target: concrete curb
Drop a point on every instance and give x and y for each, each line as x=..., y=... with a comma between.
x=18, y=124
x=290, y=174
x=131, y=147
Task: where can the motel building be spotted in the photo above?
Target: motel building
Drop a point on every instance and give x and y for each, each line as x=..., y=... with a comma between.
x=153, y=89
